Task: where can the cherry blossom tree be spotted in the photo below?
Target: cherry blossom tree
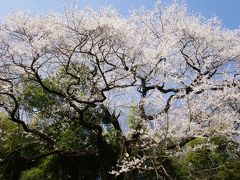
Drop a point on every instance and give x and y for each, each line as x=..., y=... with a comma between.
x=180, y=72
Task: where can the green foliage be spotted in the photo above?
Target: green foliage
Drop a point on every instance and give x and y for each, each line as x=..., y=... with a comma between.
x=33, y=174
x=132, y=117
x=69, y=139
x=181, y=170
x=196, y=141
x=45, y=170
x=213, y=164
x=11, y=135
x=200, y=159
x=111, y=135
x=36, y=99
x=218, y=140
x=229, y=170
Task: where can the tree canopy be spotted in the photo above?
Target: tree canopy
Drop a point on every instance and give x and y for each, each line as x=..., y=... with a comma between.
x=94, y=95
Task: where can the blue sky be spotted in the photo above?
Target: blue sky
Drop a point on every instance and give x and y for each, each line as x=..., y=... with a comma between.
x=227, y=10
